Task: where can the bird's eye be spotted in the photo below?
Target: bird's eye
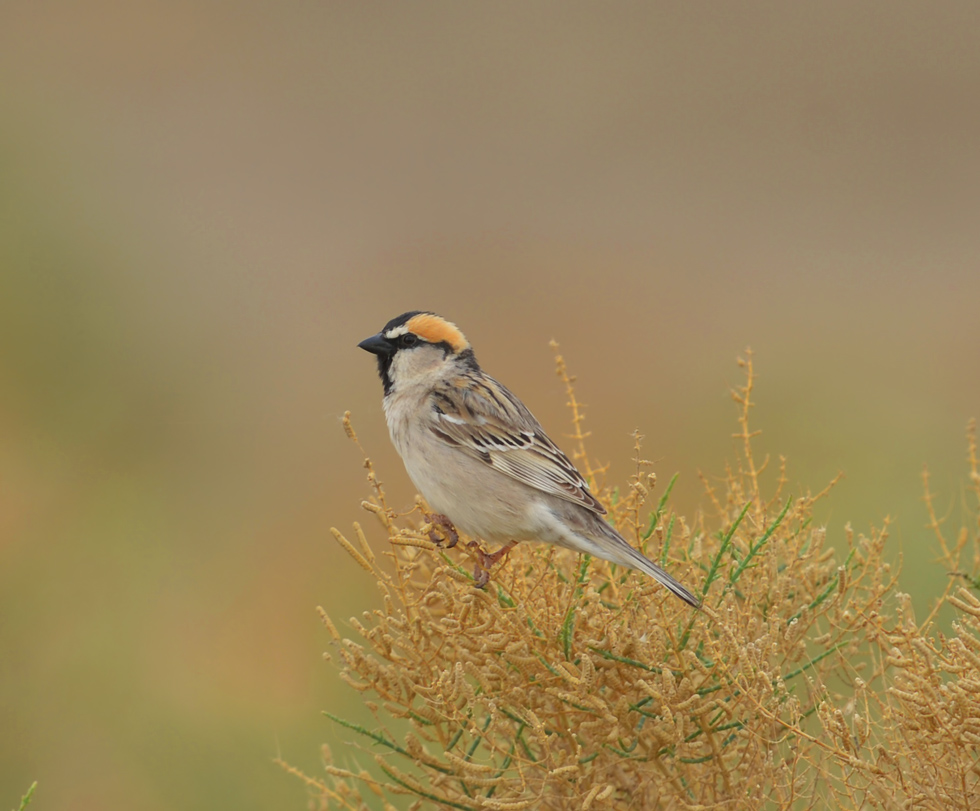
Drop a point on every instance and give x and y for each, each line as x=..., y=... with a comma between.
x=409, y=339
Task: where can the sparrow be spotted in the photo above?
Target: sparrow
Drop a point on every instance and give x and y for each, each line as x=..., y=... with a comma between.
x=478, y=456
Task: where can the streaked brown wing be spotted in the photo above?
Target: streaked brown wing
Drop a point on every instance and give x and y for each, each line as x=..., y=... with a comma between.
x=484, y=419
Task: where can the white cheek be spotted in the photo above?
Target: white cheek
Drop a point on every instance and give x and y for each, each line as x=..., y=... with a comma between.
x=414, y=366
x=398, y=370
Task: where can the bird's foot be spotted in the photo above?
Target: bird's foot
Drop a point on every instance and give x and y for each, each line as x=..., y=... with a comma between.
x=485, y=560
x=443, y=534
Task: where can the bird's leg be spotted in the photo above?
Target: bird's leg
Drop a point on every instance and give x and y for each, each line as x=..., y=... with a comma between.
x=443, y=533
x=484, y=560
x=490, y=560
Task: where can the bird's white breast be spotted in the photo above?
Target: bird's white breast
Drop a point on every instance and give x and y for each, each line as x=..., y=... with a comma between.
x=478, y=499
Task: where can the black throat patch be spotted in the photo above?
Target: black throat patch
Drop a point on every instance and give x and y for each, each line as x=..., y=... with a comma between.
x=384, y=370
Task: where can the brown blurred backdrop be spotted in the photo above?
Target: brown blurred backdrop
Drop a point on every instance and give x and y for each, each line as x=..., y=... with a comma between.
x=205, y=206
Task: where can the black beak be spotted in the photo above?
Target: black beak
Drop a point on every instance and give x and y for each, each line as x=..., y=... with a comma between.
x=378, y=345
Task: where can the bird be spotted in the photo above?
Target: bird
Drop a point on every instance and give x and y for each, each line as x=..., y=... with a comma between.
x=480, y=459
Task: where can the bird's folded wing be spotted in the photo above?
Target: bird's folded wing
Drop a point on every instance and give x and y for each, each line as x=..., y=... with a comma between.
x=484, y=419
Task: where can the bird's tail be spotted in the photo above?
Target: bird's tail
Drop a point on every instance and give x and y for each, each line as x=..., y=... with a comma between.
x=619, y=551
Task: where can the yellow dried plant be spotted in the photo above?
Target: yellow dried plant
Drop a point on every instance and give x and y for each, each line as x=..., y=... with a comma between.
x=569, y=683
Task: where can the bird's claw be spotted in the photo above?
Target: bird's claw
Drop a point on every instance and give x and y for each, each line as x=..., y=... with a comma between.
x=481, y=576
x=485, y=560
x=443, y=534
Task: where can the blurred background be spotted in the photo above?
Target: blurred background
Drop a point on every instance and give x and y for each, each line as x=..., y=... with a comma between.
x=205, y=206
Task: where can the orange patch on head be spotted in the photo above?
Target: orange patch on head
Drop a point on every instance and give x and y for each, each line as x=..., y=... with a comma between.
x=435, y=330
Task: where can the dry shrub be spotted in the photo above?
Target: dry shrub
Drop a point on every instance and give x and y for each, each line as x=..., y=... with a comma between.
x=806, y=682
